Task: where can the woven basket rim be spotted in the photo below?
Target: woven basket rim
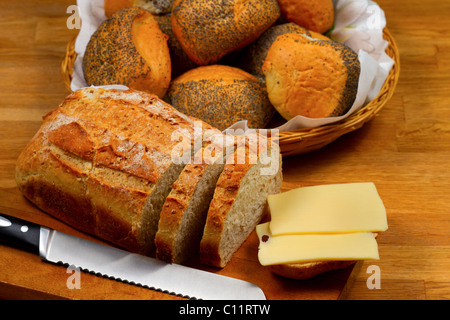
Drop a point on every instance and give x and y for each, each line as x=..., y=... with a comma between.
x=307, y=139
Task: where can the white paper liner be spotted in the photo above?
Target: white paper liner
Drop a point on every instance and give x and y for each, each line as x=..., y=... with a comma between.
x=359, y=24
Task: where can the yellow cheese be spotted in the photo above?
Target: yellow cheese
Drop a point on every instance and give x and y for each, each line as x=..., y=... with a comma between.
x=337, y=208
x=314, y=247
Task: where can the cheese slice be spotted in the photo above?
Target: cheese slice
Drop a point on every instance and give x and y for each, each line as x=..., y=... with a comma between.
x=336, y=208
x=314, y=247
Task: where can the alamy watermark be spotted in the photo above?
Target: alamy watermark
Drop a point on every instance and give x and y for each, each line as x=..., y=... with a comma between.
x=74, y=20
x=74, y=280
x=374, y=280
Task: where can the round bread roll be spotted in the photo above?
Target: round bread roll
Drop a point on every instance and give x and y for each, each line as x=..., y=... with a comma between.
x=315, y=15
x=221, y=95
x=302, y=271
x=311, y=78
x=153, y=6
x=252, y=57
x=209, y=29
x=129, y=49
x=180, y=61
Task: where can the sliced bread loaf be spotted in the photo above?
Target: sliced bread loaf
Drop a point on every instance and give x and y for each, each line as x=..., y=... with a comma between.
x=250, y=174
x=103, y=162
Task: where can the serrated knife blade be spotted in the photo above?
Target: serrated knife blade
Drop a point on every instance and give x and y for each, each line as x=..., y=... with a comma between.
x=110, y=262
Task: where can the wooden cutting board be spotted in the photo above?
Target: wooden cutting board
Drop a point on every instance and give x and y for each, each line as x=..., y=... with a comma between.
x=24, y=275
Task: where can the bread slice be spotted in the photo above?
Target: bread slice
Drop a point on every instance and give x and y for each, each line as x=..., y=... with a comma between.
x=104, y=162
x=184, y=212
x=251, y=173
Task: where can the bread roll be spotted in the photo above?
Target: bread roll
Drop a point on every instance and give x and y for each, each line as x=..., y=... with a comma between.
x=317, y=15
x=208, y=30
x=179, y=59
x=221, y=95
x=103, y=162
x=153, y=6
x=240, y=198
x=129, y=49
x=302, y=271
x=312, y=78
x=252, y=57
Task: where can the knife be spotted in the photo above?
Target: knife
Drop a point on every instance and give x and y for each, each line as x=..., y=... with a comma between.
x=113, y=263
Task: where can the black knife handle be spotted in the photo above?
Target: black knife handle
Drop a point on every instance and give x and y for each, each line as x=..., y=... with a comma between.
x=19, y=233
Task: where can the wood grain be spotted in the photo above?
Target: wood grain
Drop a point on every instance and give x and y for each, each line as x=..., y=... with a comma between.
x=405, y=151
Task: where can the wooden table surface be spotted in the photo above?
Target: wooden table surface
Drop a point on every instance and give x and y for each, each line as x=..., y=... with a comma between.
x=405, y=150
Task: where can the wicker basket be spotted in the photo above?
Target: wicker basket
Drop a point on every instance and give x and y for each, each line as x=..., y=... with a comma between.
x=310, y=139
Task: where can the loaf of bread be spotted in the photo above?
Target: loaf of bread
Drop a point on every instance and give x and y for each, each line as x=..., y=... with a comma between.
x=240, y=198
x=184, y=212
x=153, y=6
x=221, y=96
x=103, y=161
x=317, y=15
x=310, y=77
x=209, y=29
x=129, y=49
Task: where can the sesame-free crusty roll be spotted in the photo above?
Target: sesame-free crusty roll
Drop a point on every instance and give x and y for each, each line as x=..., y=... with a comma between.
x=310, y=77
x=252, y=56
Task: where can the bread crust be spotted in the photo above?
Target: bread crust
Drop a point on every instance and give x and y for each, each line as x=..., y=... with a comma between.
x=97, y=159
x=221, y=96
x=130, y=49
x=208, y=30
